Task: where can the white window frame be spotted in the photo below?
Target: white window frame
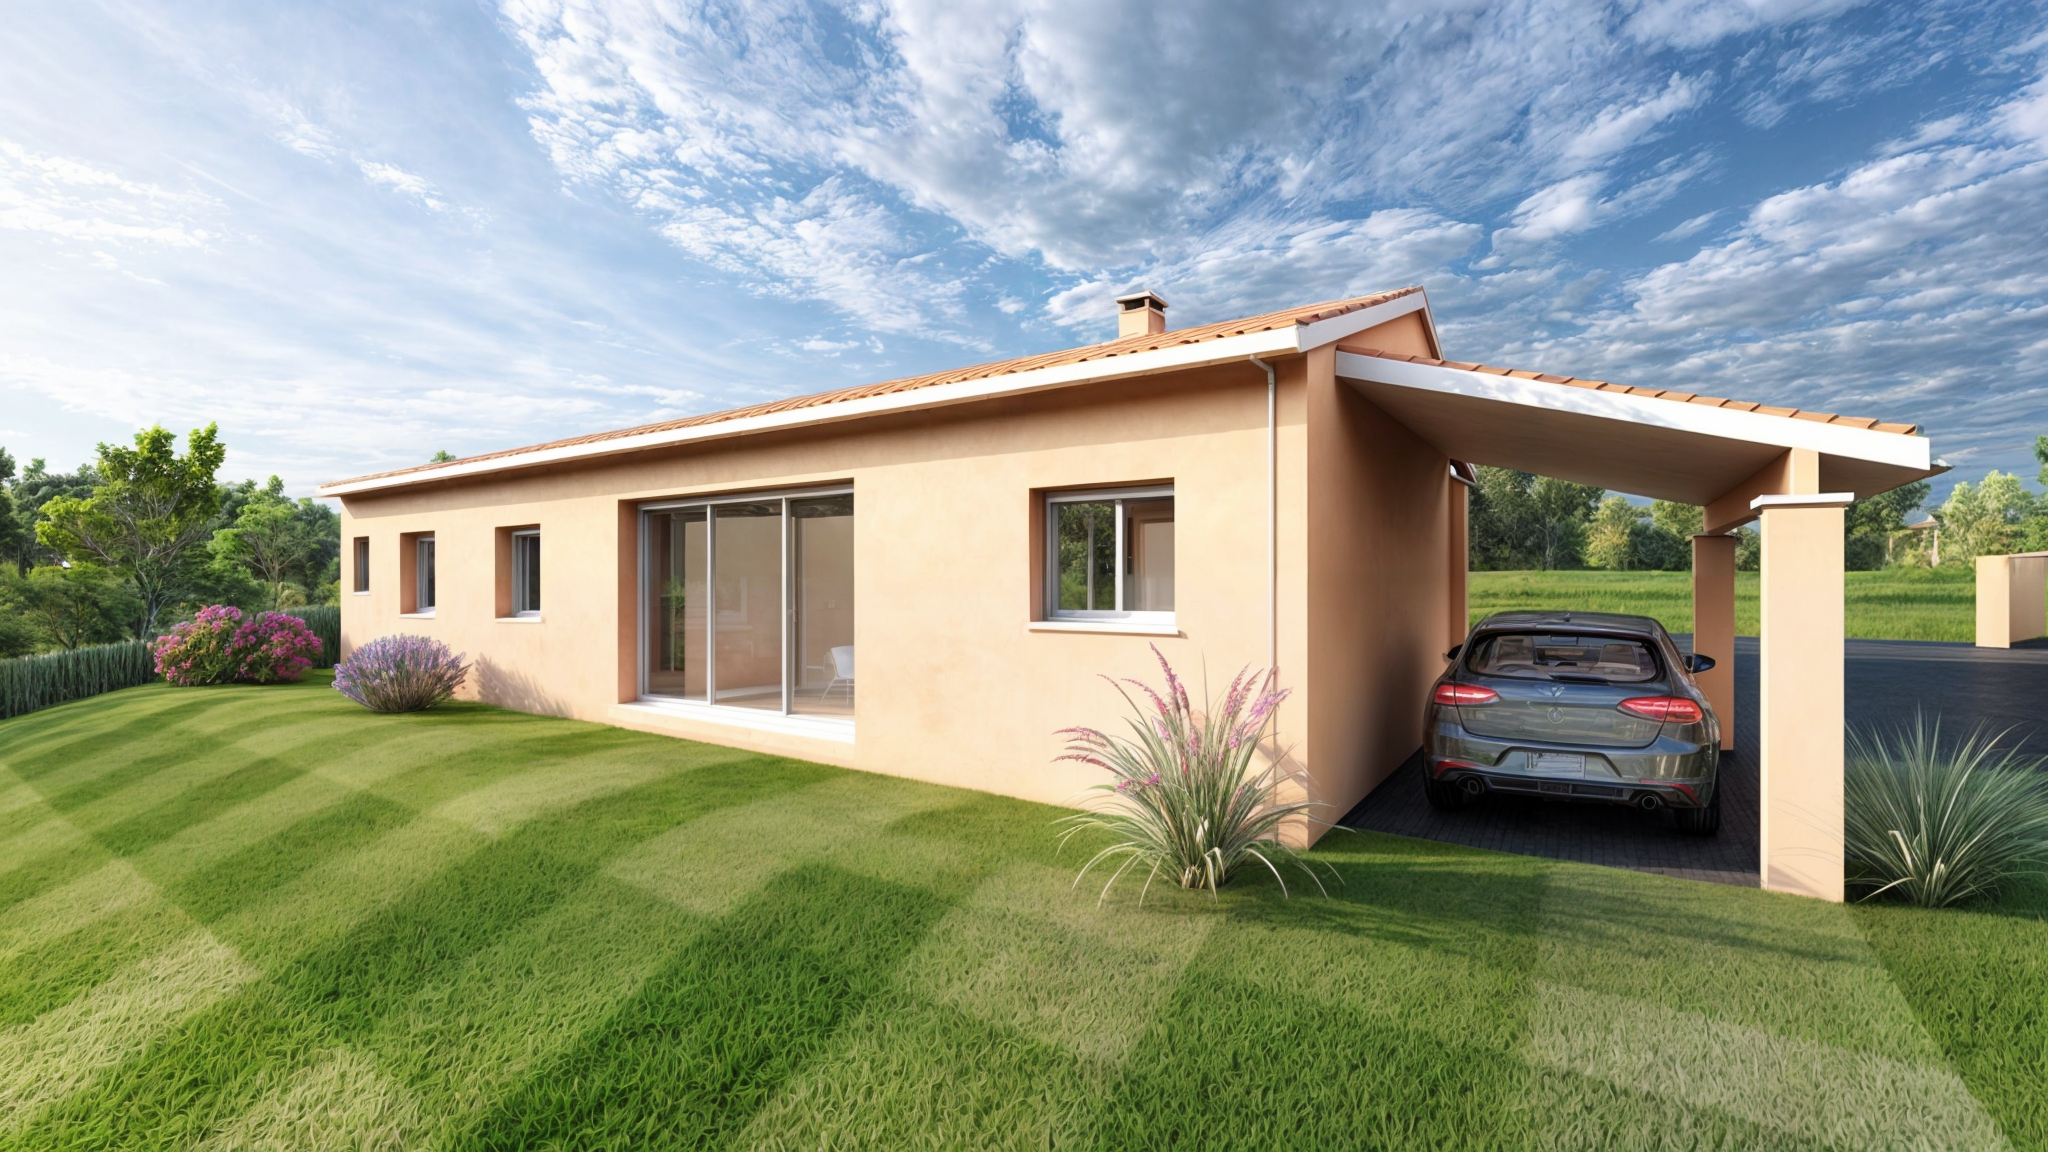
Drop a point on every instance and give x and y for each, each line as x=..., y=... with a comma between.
x=359, y=559
x=522, y=575
x=426, y=575
x=786, y=719
x=1051, y=559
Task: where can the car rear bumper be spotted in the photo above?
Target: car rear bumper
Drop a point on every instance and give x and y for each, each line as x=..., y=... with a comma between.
x=1639, y=793
x=1665, y=772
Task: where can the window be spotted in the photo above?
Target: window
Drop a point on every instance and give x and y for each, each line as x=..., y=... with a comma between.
x=1109, y=555
x=748, y=603
x=423, y=574
x=526, y=573
x=362, y=564
x=1609, y=659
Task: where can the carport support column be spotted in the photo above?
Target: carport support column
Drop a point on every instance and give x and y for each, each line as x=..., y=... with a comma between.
x=1800, y=693
x=1713, y=625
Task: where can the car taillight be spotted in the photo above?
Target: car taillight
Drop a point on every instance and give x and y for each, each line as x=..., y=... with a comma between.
x=1465, y=694
x=1675, y=709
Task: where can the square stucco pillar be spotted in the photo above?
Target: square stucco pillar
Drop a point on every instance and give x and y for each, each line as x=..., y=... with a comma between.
x=1713, y=625
x=1800, y=693
x=2010, y=603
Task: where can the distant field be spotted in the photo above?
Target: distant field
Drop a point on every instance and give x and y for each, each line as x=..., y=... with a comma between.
x=1896, y=604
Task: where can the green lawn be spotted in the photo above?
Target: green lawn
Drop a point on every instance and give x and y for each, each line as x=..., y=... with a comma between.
x=261, y=917
x=1894, y=604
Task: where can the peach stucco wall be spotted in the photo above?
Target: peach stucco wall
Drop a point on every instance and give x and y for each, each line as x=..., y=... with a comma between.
x=953, y=687
x=1379, y=587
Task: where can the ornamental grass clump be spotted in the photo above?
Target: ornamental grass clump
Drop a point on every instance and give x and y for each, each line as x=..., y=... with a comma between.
x=1934, y=824
x=1187, y=801
x=400, y=674
x=222, y=646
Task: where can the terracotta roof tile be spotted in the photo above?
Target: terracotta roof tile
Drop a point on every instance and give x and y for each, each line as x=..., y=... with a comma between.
x=1149, y=342
x=1653, y=393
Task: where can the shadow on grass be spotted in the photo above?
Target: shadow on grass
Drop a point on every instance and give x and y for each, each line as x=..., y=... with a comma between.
x=707, y=1042
x=218, y=1063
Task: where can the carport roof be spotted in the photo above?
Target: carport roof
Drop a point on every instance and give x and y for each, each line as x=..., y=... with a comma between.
x=1647, y=441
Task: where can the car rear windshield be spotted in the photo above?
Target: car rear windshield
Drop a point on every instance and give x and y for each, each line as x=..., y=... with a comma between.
x=1547, y=656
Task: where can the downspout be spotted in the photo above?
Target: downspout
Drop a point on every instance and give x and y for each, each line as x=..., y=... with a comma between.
x=1272, y=521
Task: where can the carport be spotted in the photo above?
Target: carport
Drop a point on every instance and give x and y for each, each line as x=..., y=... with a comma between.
x=1793, y=470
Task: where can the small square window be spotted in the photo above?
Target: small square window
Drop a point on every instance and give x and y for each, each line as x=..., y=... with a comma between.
x=1109, y=555
x=361, y=564
x=526, y=573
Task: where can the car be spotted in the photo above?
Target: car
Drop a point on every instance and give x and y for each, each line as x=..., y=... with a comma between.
x=1591, y=707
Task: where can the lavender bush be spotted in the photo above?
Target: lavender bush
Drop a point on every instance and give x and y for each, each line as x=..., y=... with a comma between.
x=1187, y=801
x=222, y=646
x=400, y=674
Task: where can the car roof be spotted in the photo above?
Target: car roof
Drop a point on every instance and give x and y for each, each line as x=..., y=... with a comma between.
x=1596, y=621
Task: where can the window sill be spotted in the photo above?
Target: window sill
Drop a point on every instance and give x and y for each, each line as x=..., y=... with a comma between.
x=1112, y=627
x=416, y=615
x=360, y=592
x=816, y=727
x=524, y=618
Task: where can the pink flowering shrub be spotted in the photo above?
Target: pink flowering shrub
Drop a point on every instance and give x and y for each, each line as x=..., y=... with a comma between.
x=1187, y=799
x=222, y=646
x=400, y=674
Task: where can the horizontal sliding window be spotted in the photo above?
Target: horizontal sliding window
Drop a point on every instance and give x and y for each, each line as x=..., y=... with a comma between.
x=748, y=603
x=1110, y=555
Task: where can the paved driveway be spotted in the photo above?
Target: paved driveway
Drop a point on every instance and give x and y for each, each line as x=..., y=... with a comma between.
x=1887, y=681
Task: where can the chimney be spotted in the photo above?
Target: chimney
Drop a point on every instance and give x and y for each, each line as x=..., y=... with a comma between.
x=1140, y=314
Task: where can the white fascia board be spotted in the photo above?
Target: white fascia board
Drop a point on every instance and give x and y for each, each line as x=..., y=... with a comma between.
x=1274, y=342
x=1891, y=448
x=1802, y=500
x=1336, y=328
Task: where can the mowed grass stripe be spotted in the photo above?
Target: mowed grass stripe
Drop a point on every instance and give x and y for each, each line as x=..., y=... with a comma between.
x=483, y=929
x=62, y=966
x=462, y=894
x=710, y=1040
x=60, y=1051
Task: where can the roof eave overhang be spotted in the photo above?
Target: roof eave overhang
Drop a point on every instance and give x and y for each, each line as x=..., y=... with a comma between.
x=1889, y=448
x=1294, y=338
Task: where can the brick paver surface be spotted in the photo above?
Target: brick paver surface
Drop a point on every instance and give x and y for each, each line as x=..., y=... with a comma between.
x=1887, y=681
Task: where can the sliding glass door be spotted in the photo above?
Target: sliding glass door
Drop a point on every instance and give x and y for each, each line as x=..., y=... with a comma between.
x=748, y=603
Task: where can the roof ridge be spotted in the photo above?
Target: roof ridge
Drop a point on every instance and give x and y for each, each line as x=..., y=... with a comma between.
x=1301, y=317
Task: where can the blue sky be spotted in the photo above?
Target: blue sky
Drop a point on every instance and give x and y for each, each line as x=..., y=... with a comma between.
x=357, y=233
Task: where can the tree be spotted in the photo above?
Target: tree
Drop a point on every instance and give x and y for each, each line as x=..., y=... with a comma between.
x=36, y=487
x=269, y=539
x=1867, y=525
x=14, y=531
x=443, y=456
x=1562, y=509
x=1625, y=537
x=72, y=608
x=1983, y=519
x=147, y=519
x=1611, y=536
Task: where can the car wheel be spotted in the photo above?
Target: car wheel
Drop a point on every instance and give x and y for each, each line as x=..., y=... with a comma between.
x=1443, y=795
x=1701, y=821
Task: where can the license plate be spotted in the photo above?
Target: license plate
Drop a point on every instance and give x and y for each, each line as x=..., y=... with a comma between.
x=1558, y=764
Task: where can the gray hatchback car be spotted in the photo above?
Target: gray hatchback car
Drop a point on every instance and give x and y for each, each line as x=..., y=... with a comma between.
x=1579, y=706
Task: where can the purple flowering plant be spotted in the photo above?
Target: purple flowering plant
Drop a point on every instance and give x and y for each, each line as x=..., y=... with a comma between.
x=400, y=674
x=1188, y=799
x=221, y=645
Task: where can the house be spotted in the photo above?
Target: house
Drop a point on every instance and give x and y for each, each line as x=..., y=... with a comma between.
x=926, y=577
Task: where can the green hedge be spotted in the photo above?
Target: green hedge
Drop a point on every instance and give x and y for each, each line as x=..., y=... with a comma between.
x=325, y=621
x=33, y=682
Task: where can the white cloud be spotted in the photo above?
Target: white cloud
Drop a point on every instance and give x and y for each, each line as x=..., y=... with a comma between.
x=1915, y=283
x=404, y=183
x=873, y=155
x=67, y=199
